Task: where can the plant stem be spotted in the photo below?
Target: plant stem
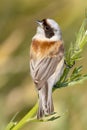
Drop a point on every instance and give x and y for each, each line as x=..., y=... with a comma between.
x=66, y=71
x=26, y=118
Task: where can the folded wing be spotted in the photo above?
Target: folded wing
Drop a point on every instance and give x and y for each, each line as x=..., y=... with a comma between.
x=42, y=69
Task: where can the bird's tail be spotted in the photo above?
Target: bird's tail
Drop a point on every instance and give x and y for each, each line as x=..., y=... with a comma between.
x=45, y=102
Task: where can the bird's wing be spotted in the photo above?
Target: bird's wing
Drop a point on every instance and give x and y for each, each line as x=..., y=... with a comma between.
x=42, y=69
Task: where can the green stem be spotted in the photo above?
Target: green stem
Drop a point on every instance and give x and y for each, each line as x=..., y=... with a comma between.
x=66, y=71
x=26, y=118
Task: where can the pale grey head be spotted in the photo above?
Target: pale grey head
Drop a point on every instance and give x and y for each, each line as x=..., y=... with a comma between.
x=49, y=29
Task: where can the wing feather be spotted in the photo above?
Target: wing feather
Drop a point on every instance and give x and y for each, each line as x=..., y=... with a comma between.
x=42, y=70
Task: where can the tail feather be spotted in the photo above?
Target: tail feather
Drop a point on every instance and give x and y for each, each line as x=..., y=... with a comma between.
x=45, y=102
x=50, y=106
x=40, y=112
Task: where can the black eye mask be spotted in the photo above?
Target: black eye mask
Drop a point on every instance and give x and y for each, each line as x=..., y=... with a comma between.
x=48, y=30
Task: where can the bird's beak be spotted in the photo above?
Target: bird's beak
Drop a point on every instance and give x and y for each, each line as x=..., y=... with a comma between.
x=39, y=22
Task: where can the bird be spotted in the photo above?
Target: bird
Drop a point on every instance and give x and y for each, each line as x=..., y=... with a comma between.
x=46, y=63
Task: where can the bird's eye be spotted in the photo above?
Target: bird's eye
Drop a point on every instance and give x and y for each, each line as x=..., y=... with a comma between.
x=46, y=28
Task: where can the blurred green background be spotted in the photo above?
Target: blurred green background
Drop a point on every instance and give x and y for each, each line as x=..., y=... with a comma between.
x=17, y=91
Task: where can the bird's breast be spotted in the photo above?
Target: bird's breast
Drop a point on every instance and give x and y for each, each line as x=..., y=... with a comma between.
x=40, y=49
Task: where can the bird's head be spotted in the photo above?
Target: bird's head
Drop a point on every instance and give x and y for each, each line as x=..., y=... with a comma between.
x=49, y=29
